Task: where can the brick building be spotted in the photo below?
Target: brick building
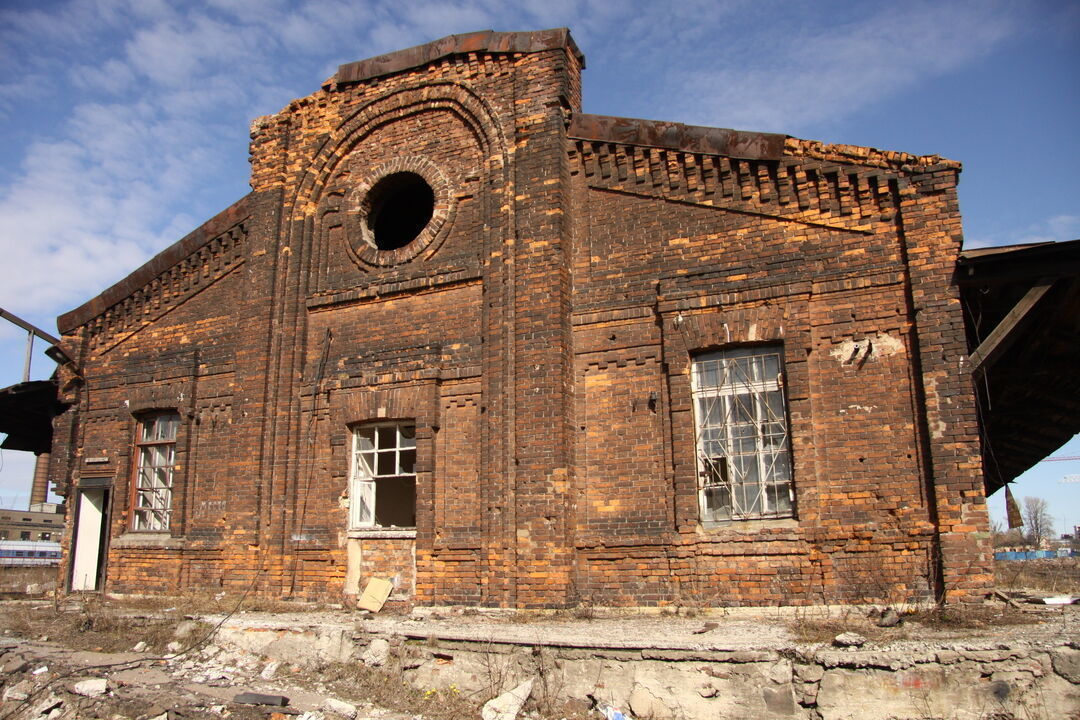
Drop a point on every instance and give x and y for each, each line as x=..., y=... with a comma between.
x=466, y=337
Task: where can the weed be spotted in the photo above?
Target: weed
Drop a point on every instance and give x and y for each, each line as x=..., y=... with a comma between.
x=820, y=626
x=1055, y=575
x=386, y=688
x=95, y=623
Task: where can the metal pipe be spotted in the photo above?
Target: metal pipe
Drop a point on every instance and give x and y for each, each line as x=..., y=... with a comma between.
x=29, y=355
x=27, y=326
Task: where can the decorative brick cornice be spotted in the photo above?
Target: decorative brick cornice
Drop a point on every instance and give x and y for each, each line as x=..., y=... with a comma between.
x=149, y=293
x=802, y=190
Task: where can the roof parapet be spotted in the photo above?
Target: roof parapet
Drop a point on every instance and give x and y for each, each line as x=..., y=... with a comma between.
x=742, y=144
x=676, y=136
x=480, y=41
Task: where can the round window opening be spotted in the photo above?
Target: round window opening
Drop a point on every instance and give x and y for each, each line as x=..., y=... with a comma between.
x=400, y=207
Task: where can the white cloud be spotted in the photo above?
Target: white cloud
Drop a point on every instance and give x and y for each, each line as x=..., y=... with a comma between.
x=1057, y=228
x=112, y=77
x=829, y=71
x=155, y=97
x=16, y=475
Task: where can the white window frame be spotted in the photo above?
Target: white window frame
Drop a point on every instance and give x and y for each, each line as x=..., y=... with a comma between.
x=742, y=442
x=155, y=465
x=382, y=452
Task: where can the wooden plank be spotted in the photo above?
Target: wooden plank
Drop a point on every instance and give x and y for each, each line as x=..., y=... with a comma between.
x=1005, y=334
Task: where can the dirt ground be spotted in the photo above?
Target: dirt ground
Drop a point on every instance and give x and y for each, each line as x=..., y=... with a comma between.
x=159, y=661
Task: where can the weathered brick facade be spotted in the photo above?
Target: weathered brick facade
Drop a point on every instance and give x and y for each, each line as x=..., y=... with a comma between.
x=538, y=335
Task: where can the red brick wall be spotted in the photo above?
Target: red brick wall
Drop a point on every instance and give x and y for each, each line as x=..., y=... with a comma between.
x=539, y=335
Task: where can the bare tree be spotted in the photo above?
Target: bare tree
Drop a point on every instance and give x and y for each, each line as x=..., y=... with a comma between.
x=1037, y=520
x=1001, y=536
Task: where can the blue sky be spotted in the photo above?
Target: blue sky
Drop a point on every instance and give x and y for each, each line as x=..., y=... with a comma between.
x=125, y=122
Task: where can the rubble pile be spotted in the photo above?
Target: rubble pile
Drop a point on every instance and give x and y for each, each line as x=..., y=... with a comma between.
x=41, y=681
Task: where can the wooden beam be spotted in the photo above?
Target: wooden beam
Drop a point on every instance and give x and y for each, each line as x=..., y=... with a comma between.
x=1005, y=334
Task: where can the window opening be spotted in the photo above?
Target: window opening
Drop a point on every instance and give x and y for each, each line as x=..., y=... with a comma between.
x=744, y=461
x=156, y=461
x=383, y=486
x=401, y=205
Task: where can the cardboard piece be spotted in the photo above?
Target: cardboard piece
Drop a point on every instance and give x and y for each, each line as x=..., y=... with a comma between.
x=375, y=594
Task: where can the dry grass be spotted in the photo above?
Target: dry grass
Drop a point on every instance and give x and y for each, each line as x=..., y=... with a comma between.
x=386, y=688
x=1052, y=575
x=359, y=683
x=204, y=603
x=914, y=623
x=93, y=624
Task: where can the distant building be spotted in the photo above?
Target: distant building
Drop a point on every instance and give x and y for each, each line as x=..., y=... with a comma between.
x=44, y=522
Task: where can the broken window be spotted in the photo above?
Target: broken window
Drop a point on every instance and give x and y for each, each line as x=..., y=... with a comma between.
x=743, y=458
x=155, y=450
x=383, y=476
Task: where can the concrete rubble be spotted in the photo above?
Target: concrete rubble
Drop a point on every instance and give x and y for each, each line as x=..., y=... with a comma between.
x=645, y=667
x=92, y=687
x=663, y=668
x=201, y=684
x=509, y=704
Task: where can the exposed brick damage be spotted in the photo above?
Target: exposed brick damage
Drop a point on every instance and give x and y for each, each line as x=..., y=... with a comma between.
x=540, y=334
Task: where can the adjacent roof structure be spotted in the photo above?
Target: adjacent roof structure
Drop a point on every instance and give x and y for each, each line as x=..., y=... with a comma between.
x=1022, y=313
x=26, y=413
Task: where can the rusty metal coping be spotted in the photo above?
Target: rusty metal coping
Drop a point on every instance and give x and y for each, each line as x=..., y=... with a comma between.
x=481, y=41
x=676, y=136
x=156, y=265
x=1018, y=263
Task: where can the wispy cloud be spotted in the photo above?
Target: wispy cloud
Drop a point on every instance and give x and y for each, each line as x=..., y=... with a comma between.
x=1058, y=228
x=803, y=77
x=153, y=99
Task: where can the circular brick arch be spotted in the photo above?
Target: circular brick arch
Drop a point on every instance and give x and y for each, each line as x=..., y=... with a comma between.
x=318, y=186
x=361, y=243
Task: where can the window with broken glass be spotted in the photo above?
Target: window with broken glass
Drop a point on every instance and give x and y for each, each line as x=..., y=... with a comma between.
x=155, y=450
x=743, y=455
x=383, y=476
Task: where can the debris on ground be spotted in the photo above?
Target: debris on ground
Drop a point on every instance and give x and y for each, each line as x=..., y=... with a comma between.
x=251, y=698
x=509, y=704
x=375, y=594
x=849, y=639
x=611, y=713
x=91, y=687
x=377, y=653
x=330, y=665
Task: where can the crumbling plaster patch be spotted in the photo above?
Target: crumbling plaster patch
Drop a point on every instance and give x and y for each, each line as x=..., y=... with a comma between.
x=879, y=345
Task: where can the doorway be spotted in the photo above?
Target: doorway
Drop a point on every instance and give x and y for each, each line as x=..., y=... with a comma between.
x=88, y=553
